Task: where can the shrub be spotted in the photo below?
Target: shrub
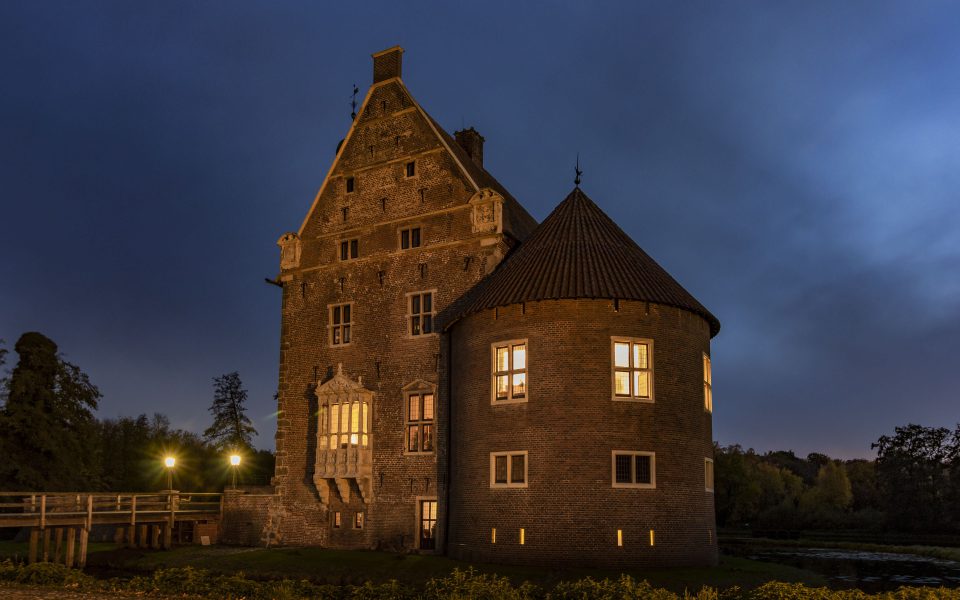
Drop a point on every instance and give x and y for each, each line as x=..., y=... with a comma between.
x=471, y=585
x=625, y=588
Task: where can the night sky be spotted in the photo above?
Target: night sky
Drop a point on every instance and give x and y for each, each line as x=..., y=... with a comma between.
x=796, y=166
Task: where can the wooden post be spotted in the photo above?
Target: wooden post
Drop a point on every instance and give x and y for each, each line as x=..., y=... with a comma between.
x=168, y=530
x=84, y=536
x=46, y=545
x=34, y=539
x=132, y=537
x=144, y=541
x=89, y=524
x=71, y=546
x=58, y=544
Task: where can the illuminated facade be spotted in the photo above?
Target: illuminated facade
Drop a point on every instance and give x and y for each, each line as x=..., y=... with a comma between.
x=456, y=378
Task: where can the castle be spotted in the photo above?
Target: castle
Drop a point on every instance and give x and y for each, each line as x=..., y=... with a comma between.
x=456, y=378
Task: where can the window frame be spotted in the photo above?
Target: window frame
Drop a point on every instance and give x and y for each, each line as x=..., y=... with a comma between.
x=510, y=372
x=419, y=423
x=335, y=520
x=359, y=520
x=707, y=384
x=410, y=314
x=420, y=500
x=407, y=167
x=614, y=340
x=352, y=244
x=509, y=454
x=331, y=326
x=633, y=469
x=711, y=479
x=409, y=230
x=350, y=184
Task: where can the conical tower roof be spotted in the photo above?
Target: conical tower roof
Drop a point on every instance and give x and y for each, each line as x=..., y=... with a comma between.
x=577, y=252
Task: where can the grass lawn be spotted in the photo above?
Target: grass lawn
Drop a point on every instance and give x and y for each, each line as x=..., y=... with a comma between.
x=355, y=567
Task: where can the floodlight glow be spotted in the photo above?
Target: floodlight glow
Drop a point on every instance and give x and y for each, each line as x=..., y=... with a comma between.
x=235, y=459
x=169, y=462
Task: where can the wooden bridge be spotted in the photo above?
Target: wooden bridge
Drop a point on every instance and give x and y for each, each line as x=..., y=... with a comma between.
x=145, y=520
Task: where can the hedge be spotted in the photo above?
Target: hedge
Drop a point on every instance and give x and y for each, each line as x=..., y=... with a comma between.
x=188, y=582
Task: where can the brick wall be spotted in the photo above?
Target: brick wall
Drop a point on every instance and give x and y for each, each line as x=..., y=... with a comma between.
x=570, y=426
x=246, y=519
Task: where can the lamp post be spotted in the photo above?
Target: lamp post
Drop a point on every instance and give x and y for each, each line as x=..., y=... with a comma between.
x=235, y=464
x=169, y=462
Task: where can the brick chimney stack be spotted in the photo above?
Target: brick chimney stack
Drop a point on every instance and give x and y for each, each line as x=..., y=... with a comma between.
x=387, y=64
x=471, y=141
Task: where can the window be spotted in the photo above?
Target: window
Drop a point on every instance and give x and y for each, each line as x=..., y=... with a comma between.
x=350, y=185
x=420, y=316
x=634, y=469
x=409, y=238
x=340, y=321
x=428, y=524
x=358, y=521
x=508, y=469
x=707, y=385
x=510, y=372
x=411, y=169
x=632, y=369
x=420, y=410
x=708, y=474
x=344, y=425
x=336, y=520
x=349, y=249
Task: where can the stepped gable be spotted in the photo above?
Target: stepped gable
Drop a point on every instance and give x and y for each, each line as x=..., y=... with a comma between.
x=577, y=252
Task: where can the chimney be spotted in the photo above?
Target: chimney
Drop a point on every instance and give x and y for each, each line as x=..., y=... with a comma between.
x=386, y=64
x=472, y=142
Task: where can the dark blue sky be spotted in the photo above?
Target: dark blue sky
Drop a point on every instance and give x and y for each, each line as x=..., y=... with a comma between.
x=796, y=166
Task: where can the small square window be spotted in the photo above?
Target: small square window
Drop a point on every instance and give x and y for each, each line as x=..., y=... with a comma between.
x=508, y=469
x=349, y=249
x=350, y=185
x=634, y=469
x=411, y=169
x=409, y=238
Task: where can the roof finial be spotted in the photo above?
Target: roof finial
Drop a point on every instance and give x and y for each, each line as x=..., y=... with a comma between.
x=353, y=103
x=576, y=180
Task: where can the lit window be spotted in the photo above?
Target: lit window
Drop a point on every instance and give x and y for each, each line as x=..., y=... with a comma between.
x=509, y=372
x=336, y=519
x=707, y=385
x=508, y=469
x=708, y=474
x=350, y=185
x=421, y=312
x=409, y=238
x=358, y=521
x=428, y=524
x=634, y=469
x=340, y=321
x=344, y=425
x=632, y=369
x=411, y=169
x=349, y=249
x=493, y=535
x=420, y=416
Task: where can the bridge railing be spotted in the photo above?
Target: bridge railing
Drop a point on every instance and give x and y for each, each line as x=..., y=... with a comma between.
x=20, y=509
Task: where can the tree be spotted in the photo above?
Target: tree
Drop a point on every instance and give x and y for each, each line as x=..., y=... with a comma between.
x=231, y=428
x=47, y=421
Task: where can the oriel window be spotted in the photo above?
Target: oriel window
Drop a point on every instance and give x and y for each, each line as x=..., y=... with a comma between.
x=345, y=425
x=420, y=422
x=632, y=369
x=421, y=313
x=340, y=324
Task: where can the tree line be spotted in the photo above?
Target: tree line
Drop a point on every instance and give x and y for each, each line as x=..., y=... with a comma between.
x=50, y=439
x=912, y=486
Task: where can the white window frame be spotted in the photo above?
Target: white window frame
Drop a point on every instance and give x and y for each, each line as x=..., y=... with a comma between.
x=433, y=314
x=510, y=372
x=614, y=340
x=349, y=243
x=408, y=423
x=509, y=484
x=633, y=469
x=331, y=327
x=708, y=475
x=707, y=384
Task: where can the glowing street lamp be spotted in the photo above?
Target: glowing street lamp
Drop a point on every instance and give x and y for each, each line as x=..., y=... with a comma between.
x=169, y=462
x=235, y=464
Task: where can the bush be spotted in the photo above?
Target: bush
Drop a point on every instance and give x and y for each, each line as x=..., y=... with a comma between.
x=470, y=585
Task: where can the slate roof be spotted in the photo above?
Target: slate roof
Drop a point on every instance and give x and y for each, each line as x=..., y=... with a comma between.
x=577, y=252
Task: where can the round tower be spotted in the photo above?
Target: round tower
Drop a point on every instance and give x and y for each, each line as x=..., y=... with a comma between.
x=581, y=407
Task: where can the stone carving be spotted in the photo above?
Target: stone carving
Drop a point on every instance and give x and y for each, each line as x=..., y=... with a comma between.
x=487, y=213
x=289, y=250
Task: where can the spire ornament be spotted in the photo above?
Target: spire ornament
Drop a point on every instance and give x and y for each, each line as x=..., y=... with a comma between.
x=576, y=180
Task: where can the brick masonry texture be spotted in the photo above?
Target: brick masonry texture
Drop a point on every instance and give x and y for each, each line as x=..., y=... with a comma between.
x=469, y=224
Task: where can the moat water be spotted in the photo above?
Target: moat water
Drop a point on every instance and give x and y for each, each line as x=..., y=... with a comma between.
x=868, y=571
